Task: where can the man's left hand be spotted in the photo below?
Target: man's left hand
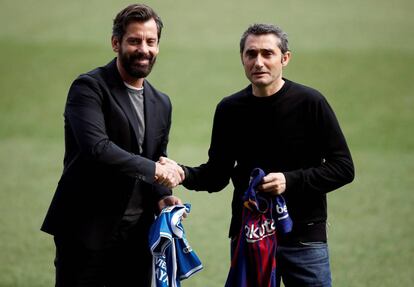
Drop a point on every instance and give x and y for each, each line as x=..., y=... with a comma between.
x=274, y=182
x=168, y=201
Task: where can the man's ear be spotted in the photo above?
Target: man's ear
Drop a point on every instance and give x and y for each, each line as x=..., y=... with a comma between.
x=286, y=58
x=115, y=44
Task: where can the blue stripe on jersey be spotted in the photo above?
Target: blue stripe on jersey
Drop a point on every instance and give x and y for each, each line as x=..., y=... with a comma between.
x=173, y=258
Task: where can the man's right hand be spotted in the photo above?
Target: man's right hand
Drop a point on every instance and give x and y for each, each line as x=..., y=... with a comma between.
x=168, y=173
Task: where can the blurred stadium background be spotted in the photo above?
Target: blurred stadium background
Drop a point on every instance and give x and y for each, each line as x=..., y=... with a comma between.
x=359, y=54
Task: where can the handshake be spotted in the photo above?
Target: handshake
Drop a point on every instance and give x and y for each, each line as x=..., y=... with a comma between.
x=168, y=172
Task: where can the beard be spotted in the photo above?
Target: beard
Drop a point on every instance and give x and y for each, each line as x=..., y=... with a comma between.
x=134, y=69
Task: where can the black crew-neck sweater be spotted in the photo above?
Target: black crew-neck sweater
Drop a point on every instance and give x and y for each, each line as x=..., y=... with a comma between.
x=295, y=132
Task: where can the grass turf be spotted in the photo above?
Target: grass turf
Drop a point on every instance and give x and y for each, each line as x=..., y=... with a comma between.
x=359, y=55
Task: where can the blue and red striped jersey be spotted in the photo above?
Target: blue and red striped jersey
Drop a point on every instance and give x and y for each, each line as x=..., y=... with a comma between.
x=253, y=262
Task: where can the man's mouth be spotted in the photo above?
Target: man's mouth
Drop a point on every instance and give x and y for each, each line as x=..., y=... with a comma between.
x=259, y=73
x=142, y=62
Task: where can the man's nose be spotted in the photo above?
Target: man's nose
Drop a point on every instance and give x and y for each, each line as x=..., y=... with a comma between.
x=143, y=48
x=258, y=63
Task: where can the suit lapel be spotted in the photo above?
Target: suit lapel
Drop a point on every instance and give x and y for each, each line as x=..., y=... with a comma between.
x=120, y=93
x=150, y=118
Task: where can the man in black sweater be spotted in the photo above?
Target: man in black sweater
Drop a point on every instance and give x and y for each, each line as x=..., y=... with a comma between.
x=290, y=131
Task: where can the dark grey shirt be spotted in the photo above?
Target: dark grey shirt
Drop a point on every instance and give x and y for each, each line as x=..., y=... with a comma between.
x=134, y=209
x=137, y=98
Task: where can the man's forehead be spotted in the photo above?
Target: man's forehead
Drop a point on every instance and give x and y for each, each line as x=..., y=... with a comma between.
x=263, y=41
x=138, y=26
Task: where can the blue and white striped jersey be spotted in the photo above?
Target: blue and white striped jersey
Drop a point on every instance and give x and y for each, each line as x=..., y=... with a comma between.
x=173, y=258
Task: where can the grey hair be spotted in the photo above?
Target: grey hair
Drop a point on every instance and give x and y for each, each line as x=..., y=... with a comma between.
x=262, y=29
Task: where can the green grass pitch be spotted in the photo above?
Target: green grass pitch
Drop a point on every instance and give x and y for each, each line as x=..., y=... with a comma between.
x=359, y=54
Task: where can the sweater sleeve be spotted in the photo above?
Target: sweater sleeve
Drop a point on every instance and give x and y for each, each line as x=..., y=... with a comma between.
x=336, y=168
x=214, y=175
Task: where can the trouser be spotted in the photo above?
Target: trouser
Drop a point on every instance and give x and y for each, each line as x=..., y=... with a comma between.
x=302, y=265
x=306, y=264
x=126, y=262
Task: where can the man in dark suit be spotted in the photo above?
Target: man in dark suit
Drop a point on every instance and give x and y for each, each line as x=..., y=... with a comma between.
x=116, y=128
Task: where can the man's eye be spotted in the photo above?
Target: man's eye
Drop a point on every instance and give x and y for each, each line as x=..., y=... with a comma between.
x=152, y=42
x=251, y=54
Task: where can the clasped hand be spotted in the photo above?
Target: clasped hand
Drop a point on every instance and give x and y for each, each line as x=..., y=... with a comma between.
x=274, y=183
x=168, y=172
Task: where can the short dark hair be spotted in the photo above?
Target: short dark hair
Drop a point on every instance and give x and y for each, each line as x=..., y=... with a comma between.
x=138, y=13
x=262, y=29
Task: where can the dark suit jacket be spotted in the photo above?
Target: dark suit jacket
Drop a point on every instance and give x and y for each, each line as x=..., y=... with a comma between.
x=102, y=164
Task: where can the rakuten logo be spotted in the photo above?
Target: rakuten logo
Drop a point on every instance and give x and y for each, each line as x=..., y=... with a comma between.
x=255, y=232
